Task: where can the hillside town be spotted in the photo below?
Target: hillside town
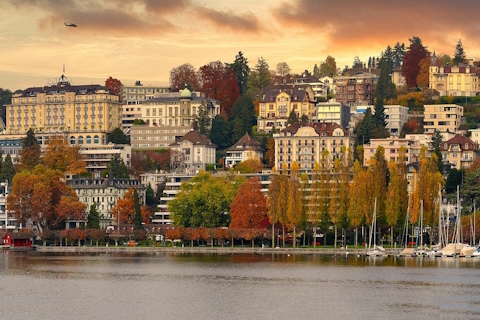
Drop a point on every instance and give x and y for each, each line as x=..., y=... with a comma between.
x=236, y=151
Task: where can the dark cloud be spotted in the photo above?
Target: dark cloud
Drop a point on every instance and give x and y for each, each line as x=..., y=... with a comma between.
x=379, y=22
x=221, y=19
x=113, y=17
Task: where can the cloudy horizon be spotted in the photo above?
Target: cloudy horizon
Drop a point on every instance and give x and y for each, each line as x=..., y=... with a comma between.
x=144, y=39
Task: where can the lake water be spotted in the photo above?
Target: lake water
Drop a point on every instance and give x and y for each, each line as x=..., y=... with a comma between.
x=37, y=285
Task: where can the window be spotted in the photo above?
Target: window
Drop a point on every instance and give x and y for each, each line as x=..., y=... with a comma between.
x=95, y=139
x=72, y=140
x=80, y=140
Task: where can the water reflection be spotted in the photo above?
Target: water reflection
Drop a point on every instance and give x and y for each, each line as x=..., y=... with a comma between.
x=230, y=286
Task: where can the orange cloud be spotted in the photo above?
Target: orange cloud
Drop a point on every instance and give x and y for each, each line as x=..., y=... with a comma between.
x=221, y=19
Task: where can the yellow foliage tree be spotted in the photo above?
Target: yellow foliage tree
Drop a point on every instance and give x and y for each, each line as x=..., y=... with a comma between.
x=60, y=155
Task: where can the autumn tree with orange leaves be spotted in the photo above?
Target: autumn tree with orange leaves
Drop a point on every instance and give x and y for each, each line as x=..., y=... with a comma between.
x=249, y=208
x=126, y=209
x=62, y=156
x=115, y=86
x=41, y=197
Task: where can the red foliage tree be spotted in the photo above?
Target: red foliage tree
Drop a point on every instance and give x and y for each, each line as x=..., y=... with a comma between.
x=114, y=85
x=184, y=75
x=219, y=82
x=411, y=62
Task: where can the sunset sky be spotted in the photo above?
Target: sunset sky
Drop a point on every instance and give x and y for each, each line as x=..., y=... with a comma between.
x=144, y=39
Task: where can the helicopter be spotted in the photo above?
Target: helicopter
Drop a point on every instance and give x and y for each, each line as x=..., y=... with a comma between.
x=70, y=24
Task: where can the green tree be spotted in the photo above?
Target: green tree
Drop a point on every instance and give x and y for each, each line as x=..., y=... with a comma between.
x=150, y=199
x=116, y=169
x=381, y=94
x=117, y=137
x=242, y=70
x=7, y=171
x=364, y=129
x=259, y=78
x=204, y=201
x=292, y=118
x=201, y=121
x=30, y=153
x=316, y=71
x=5, y=98
x=437, y=141
x=357, y=63
x=93, y=219
x=460, y=54
x=398, y=54
x=454, y=179
x=242, y=117
x=221, y=133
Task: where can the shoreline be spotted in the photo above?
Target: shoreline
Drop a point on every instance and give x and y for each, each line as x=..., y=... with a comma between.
x=209, y=250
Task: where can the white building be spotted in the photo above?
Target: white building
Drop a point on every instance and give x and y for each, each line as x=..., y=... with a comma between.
x=332, y=111
x=195, y=152
x=98, y=156
x=246, y=148
x=395, y=116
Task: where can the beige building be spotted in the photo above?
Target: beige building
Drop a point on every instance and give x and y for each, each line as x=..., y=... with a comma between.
x=63, y=108
x=132, y=99
x=305, y=143
x=459, y=151
x=98, y=156
x=169, y=117
x=392, y=147
x=246, y=148
x=105, y=192
x=442, y=117
x=319, y=88
x=332, y=111
x=461, y=80
x=193, y=152
x=475, y=135
x=277, y=105
x=395, y=116
x=397, y=77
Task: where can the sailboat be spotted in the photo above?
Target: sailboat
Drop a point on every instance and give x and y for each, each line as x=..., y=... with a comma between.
x=455, y=248
x=420, y=251
x=374, y=251
x=436, y=250
x=407, y=252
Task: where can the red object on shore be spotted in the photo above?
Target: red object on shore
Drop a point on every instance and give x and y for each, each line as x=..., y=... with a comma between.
x=16, y=239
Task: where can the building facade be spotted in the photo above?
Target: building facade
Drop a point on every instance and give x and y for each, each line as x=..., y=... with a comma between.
x=193, y=152
x=246, y=148
x=104, y=192
x=170, y=117
x=63, y=108
x=98, y=156
x=356, y=89
x=276, y=105
x=442, y=117
x=332, y=111
x=459, y=151
x=460, y=80
x=305, y=143
x=392, y=147
x=132, y=99
x=395, y=116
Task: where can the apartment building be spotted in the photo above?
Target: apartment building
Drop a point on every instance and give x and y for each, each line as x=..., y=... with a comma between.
x=460, y=80
x=193, y=152
x=305, y=143
x=277, y=104
x=98, y=156
x=332, y=111
x=104, y=192
x=169, y=117
x=443, y=118
x=392, y=147
x=395, y=116
x=132, y=99
x=319, y=88
x=356, y=88
x=459, y=151
x=246, y=148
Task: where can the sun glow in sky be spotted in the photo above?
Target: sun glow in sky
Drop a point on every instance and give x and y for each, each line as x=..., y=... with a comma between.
x=144, y=39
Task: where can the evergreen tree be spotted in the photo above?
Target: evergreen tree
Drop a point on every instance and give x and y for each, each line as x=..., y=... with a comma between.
x=93, y=219
x=437, y=141
x=381, y=94
x=459, y=53
x=117, y=137
x=316, y=71
x=201, y=120
x=221, y=132
x=398, y=53
x=30, y=154
x=259, y=78
x=304, y=118
x=388, y=57
x=7, y=171
x=365, y=128
x=357, y=63
x=116, y=169
x=242, y=70
x=150, y=199
x=138, y=213
x=292, y=118
x=242, y=117
x=454, y=179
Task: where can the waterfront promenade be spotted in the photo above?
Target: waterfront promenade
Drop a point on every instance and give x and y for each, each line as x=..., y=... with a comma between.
x=210, y=250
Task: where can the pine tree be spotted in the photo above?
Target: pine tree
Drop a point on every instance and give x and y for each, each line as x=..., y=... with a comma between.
x=398, y=53
x=93, y=219
x=8, y=170
x=292, y=118
x=30, y=154
x=242, y=70
x=437, y=141
x=459, y=53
